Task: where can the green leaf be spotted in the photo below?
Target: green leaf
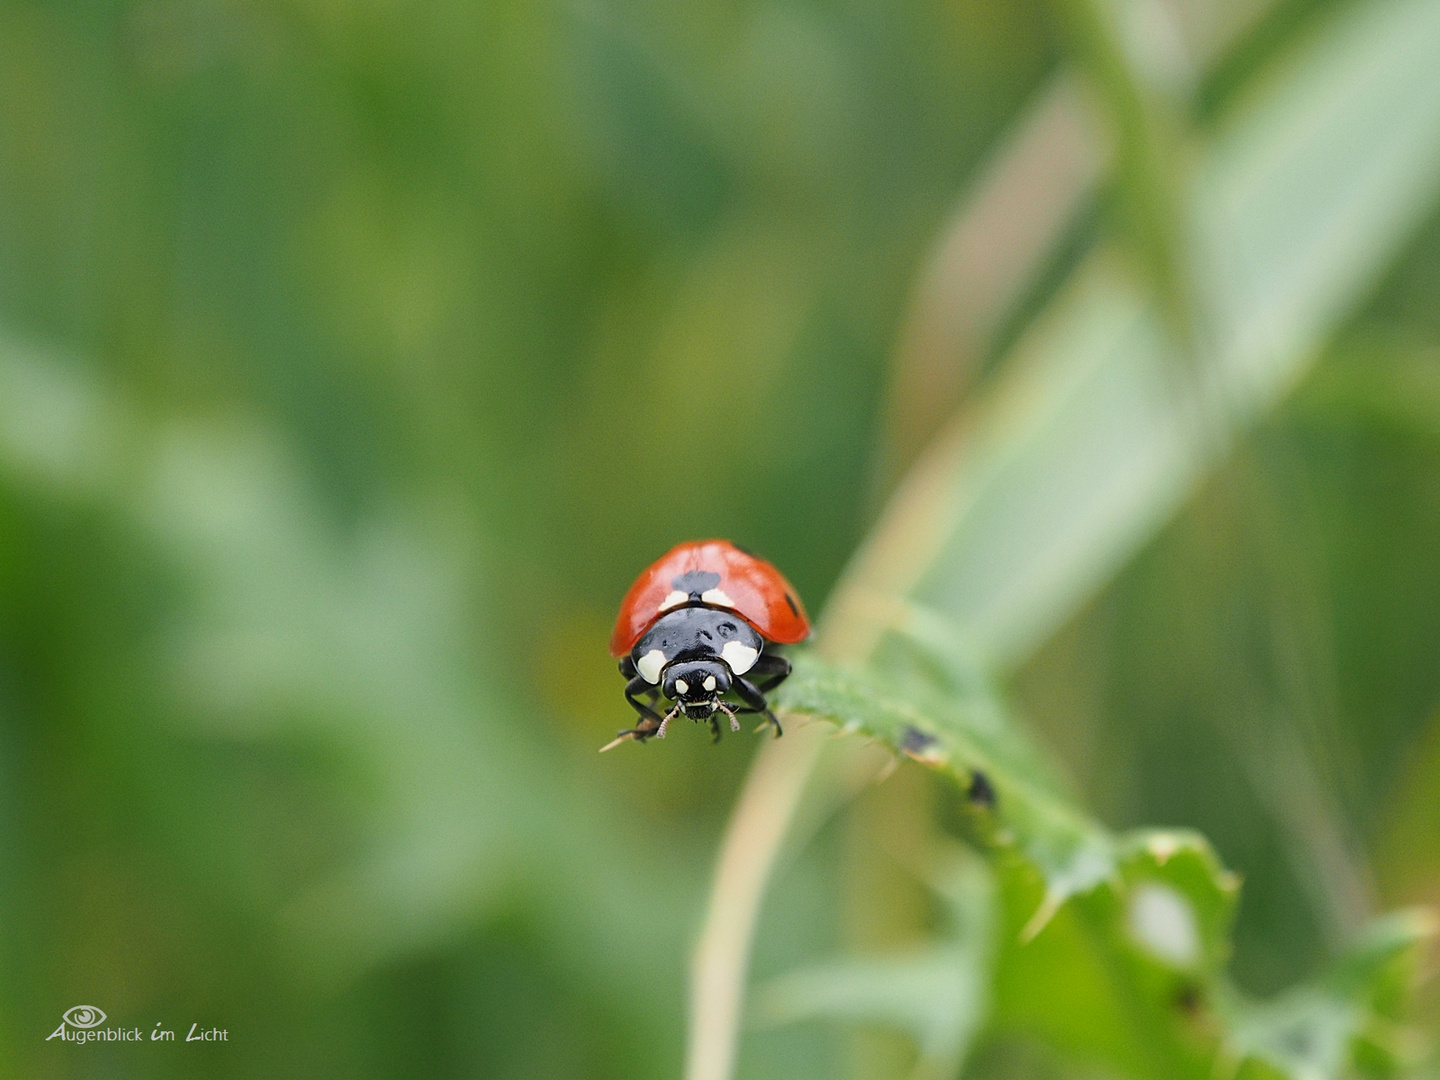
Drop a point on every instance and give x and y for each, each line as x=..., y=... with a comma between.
x=1013, y=802
x=1131, y=970
x=1172, y=899
x=1147, y=922
x=1124, y=974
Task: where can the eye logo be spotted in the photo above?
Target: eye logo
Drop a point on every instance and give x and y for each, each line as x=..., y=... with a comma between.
x=84, y=1016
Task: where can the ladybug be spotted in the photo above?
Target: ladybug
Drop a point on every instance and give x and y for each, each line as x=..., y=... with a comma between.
x=694, y=628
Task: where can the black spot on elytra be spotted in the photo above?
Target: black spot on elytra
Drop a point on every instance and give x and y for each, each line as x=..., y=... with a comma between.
x=915, y=741
x=981, y=792
x=794, y=610
x=695, y=582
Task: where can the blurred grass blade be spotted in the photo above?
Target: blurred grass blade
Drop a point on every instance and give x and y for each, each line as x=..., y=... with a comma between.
x=990, y=251
x=932, y=995
x=1140, y=67
x=940, y=995
x=1088, y=442
x=1080, y=451
x=1310, y=188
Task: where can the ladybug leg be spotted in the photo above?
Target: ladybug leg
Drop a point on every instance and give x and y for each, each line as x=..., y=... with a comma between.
x=650, y=720
x=755, y=701
x=769, y=672
x=627, y=668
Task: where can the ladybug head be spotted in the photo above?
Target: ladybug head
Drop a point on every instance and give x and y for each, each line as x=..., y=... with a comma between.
x=697, y=686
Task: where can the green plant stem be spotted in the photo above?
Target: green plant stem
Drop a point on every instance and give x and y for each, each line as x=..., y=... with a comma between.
x=752, y=843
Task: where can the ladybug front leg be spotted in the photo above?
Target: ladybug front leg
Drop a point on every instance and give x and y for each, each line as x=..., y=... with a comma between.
x=650, y=720
x=755, y=701
x=627, y=668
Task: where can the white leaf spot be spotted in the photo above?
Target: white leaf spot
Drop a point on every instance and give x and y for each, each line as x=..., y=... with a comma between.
x=1162, y=921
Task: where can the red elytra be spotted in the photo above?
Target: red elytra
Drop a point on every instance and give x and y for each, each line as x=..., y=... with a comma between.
x=757, y=592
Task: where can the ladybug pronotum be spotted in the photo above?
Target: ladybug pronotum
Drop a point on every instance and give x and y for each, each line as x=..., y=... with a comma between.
x=695, y=627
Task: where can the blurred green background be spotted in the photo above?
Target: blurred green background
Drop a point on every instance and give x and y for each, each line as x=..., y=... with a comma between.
x=355, y=356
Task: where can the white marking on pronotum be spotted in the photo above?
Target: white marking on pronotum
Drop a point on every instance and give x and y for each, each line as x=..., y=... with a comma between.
x=650, y=664
x=709, y=682
x=717, y=597
x=675, y=599
x=682, y=686
x=741, y=658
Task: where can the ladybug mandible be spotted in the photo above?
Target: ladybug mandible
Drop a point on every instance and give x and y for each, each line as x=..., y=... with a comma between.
x=694, y=628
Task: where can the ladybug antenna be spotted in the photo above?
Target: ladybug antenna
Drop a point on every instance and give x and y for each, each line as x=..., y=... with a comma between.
x=728, y=711
x=665, y=721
